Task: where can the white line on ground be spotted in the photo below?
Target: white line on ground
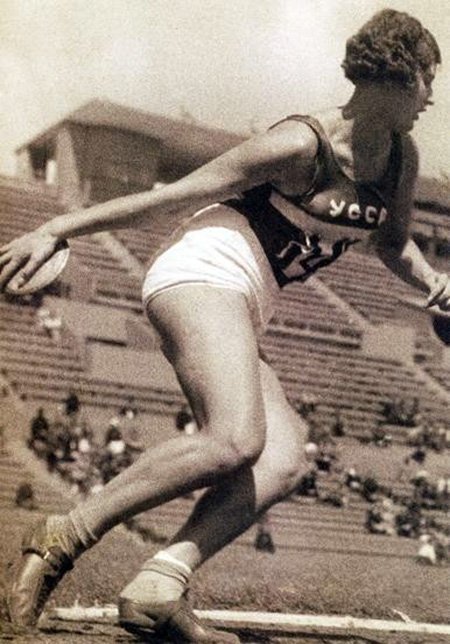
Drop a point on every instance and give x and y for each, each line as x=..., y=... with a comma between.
x=247, y=619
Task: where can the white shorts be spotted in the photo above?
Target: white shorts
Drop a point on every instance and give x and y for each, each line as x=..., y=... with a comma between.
x=216, y=246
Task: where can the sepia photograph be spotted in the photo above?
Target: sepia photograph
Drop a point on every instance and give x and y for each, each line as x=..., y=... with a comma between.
x=225, y=321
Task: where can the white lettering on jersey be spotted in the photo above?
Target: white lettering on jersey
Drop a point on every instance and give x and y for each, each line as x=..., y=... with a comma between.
x=371, y=213
x=336, y=210
x=354, y=211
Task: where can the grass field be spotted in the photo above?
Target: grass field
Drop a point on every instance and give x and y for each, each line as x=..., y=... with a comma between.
x=318, y=579
x=322, y=565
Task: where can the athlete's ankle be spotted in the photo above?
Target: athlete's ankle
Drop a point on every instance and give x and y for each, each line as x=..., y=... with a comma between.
x=73, y=537
x=160, y=580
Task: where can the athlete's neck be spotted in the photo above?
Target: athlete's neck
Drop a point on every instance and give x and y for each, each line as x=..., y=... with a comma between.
x=365, y=130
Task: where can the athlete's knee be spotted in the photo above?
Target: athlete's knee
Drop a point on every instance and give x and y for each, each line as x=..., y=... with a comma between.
x=287, y=471
x=234, y=452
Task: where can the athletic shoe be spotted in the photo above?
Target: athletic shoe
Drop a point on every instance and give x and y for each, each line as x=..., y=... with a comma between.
x=42, y=566
x=172, y=621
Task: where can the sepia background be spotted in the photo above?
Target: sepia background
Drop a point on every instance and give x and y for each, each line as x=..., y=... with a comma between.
x=238, y=65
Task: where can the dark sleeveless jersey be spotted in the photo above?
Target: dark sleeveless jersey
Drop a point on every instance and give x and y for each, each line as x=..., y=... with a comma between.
x=302, y=233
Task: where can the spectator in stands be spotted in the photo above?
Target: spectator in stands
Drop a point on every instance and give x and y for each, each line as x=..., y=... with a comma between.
x=264, y=539
x=185, y=421
x=326, y=456
x=25, y=496
x=306, y=405
x=380, y=437
x=115, y=454
x=400, y=411
x=410, y=522
x=370, y=488
x=353, y=480
x=58, y=441
x=338, y=425
x=308, y=484
x=389, y=411
x=381, y=518
x=441, y=543
x=426, y=553
x=285, y=204
x=131, y=431
x=443, y=493
x=334, y=495
x=437, y=437
x=80, y=469
x=50, y=322
x=72, y=404
x=39, y=430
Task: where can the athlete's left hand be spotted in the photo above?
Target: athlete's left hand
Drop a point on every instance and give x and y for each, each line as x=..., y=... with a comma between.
x=439, y=294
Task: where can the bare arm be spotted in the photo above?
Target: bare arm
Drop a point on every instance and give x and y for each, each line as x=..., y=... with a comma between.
x=395, y=247
x=256, y=161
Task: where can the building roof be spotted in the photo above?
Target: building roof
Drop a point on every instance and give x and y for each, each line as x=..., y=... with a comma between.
x=185, y=146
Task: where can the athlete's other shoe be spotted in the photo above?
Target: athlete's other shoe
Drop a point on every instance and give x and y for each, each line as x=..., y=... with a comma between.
x=173, y=621
x=42, y=566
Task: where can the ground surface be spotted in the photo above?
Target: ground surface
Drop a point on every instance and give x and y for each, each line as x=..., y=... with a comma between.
x=309, y=573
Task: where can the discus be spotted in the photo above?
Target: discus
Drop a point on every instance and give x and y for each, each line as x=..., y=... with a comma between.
x=46, y=274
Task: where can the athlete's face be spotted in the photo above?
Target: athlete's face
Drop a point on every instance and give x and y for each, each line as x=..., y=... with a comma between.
x=414, y=100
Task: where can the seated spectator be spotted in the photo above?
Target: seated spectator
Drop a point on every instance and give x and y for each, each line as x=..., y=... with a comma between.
x=338, y=425
x=334, y=496
x=115, y=456
x=412, y=412
x=39, y=429
x=308, y=484
x=416, y=433
x=426, y=553
x=72, y=404
x=419, y=455
x=388, y=411
x=311, y=451
x=58, y=443
x=410, y=522
x=25, y=497
x=326, y=457
x=132, y=434
x=380, y=436
x=369, y=489
x=79, y=471
x=50, y=322
x=353, y=480
x=441, y=542
x=437, y=437
x=318, y=433
x=264, y=540
x=388, y=516
x=420, y=478
x=306, y=405
x=443, y=493
x=185, y=421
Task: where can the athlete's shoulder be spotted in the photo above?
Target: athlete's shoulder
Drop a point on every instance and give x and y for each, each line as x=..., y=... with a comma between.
x=295, y=134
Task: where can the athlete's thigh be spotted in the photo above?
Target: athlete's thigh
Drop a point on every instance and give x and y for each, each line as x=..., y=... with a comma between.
x=208, y=336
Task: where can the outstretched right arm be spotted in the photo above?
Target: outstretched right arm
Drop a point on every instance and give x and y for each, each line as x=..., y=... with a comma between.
x=259, y=160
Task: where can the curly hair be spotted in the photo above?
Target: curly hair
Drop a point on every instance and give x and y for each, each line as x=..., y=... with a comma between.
x=391, y=46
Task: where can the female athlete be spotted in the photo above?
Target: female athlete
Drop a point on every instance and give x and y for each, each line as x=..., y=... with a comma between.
x=273, y=210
